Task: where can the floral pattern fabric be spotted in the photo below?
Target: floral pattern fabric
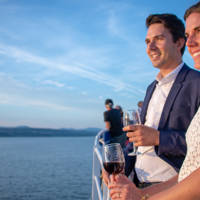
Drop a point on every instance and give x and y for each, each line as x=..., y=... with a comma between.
x=192, y=159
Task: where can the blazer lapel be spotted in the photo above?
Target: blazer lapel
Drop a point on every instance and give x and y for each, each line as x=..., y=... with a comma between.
x=172, y=95
x=146, y=101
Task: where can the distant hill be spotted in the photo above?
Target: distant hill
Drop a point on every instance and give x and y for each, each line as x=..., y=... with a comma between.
x=25, y=131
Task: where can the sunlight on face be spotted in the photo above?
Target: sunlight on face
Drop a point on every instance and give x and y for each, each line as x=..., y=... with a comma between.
x=193, y=37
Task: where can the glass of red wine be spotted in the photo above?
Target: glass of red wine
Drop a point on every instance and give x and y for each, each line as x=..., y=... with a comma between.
x=113, y=158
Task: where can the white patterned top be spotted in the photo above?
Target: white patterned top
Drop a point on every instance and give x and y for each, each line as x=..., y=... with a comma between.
x=192, y=159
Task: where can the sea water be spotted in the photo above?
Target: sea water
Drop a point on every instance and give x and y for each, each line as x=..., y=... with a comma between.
x=47, y=168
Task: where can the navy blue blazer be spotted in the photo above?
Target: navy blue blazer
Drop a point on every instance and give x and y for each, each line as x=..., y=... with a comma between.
x=180, y=107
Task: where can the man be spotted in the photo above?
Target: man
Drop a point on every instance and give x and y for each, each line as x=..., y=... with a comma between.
x=113, y=123
x=189, y=176
x=169, y=105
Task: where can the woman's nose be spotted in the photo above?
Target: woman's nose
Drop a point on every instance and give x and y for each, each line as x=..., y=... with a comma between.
x=190, y=40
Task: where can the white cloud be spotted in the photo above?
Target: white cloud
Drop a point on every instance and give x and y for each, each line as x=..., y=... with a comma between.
x=11, y=83
x=70, y=87
x=112, y=24
x=84, y=93
x=115, y=27
x=4, y=99
x=81, y=71
x=15, y=100
x=54, y=83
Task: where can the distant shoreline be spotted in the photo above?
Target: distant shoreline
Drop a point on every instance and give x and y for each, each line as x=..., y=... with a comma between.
x=46, y=132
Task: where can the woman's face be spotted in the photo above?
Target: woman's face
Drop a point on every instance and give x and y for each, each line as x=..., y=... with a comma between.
x=192, y=33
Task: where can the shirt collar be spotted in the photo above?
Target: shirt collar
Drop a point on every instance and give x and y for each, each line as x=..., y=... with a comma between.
x=170, y=77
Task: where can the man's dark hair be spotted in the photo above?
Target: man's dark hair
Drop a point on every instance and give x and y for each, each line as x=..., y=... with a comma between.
x=172, y=23
x=193, y=9
x=109, y=102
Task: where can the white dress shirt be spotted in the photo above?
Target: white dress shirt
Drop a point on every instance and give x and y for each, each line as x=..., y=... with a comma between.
x=150, y=167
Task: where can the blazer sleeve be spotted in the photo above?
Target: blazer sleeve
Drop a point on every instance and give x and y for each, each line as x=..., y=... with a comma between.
x=172, y=143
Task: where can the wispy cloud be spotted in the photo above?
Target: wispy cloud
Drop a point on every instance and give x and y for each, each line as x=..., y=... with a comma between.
x=8, y=99
x=54, y=83
x=11, y=83
x=115, y=27
x=16, y=93
x=84, y=93
x=81, y=71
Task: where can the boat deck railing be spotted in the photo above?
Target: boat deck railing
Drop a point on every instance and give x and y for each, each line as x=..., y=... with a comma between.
x=99, y=190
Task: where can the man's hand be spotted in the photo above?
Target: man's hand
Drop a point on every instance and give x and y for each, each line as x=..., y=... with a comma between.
x=123, y=189
x=142, y=135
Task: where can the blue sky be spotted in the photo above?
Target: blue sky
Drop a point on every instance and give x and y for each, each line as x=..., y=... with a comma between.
x=60, y=59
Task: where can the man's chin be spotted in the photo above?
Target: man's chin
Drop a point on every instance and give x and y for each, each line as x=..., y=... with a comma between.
x=156, y=65
x=197, y=66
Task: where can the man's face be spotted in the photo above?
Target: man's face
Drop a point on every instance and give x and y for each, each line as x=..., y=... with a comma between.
x=161, y=49
x=107, y=106
x=193, y=37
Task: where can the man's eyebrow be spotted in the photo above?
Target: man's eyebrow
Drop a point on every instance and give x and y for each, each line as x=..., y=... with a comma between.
x=160, y=35
x=156, y=36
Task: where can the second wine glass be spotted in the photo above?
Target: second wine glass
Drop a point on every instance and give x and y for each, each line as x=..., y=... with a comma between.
x=132, y=117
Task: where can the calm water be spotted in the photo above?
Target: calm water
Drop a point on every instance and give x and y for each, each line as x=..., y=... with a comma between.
x=45, y=168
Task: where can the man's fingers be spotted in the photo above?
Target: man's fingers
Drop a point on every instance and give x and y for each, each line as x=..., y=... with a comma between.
x=129, y=128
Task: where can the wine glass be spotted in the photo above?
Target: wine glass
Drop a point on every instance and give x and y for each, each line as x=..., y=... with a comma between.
x=113, y=158
x=132, y=117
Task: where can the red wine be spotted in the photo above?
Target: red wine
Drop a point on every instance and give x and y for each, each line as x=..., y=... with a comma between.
x=113, y=167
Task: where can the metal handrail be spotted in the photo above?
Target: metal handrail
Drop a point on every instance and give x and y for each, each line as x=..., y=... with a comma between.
x=99, y=191
x=99, y=156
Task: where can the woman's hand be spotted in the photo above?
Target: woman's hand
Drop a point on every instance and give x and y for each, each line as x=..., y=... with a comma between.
x=121, y=188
